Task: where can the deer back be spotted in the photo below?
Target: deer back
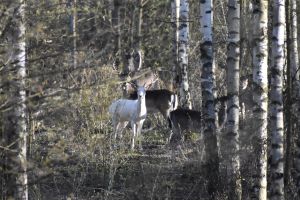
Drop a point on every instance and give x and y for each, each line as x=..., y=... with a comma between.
x=163, y=101
x=186, y=120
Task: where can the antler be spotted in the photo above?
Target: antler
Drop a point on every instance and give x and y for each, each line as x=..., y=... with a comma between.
x=140, y=60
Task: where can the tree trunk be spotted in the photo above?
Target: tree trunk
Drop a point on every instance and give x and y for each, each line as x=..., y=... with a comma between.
x=260, y=97
x=288, y=113
x=232, y=126
x=208, y=96
x=117, y=33
x=294, y=63
x=74, y=30
x=276, y=107
x=139, y=26
x=15, y=117
x=73, y=22
x=185, y=98
x=294, y=47
x=175, y=5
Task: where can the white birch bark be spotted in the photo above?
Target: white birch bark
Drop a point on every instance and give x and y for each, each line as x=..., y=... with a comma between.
x=15, y=117
x=20, y=55
x=232, y=125
x=175, y=5
x=276, y=107
x=183, y=48
x=208, y=95
x=260, y=97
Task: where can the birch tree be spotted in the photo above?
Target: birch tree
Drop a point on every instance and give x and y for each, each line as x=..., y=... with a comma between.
x=175, y=23
x=185, y=98
x=233, y=77
x=276, y=107
x=294, y=65
x=260, y=96
x=208, y=95
x=15, y=117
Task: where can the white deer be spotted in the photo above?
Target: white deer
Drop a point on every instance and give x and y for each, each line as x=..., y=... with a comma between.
x=133, y=111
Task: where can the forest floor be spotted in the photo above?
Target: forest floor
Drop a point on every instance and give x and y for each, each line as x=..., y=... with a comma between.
x=84, y=169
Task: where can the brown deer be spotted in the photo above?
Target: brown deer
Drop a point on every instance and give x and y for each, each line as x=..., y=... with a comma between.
x=182, y=120
x=162, y=101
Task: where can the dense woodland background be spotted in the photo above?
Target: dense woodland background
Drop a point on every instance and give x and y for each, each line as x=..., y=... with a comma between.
x=76, y=60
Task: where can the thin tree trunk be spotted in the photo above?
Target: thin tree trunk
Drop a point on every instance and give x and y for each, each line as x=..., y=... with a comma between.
x=20, y=55
x=260, y=97
x=21, y=125
x=208, y=96
x=117, y=33
x=183, y=48
x=73, y=21
x=139, y=26
x=288, y=120
x=276, y=107
x=74, y=34
x=294, y=63
x=132, y=24
x=294, y=47
x=138, y=45
x=15, y=117
x=175, y=7
x=233, y=78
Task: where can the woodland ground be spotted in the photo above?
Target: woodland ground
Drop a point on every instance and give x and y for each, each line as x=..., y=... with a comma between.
x=80, y=166
x=74, y=157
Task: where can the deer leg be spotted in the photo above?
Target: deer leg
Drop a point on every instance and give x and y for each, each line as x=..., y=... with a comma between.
x=170, y=136
x=181, y=152
x=175, y=134
x=116, y=127
x=170, y=124
x=164, y=114
x=176, y=144
x=139, y=130
x=133, y=126
x=122, y=126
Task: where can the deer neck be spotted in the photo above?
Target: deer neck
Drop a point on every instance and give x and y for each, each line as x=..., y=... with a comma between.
x=141, y=108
